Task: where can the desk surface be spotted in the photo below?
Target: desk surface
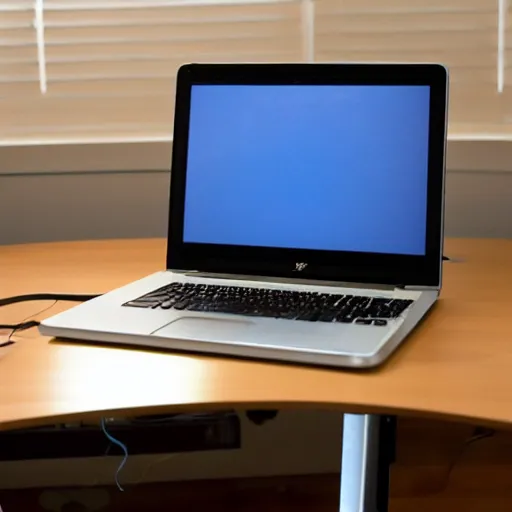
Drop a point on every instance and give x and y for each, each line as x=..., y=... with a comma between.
x=457, y=364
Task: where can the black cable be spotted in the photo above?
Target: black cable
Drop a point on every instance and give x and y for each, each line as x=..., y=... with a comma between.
x=14, y=328
x=479, y=433
x=70, y=297
x=25, y=324
x=22, y=326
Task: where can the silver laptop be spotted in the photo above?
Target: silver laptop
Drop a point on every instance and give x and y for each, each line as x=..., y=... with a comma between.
x=306, y=217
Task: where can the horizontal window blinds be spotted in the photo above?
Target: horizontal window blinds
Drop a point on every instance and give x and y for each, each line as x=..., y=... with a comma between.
x=110, y=66
x=105, y=69
x=461, y=34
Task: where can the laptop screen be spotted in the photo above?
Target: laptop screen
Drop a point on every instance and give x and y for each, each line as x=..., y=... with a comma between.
x=321, y=167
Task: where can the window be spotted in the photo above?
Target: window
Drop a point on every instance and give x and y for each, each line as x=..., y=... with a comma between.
x=104, y=70
x=462, y=34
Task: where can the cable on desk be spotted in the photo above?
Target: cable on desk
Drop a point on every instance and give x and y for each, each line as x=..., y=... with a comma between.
x=13, y=328
x=71, y=297
x=23, y=325
x=121, y=445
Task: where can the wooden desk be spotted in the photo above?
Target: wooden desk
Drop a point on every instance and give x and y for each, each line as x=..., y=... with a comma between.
x=457, y=364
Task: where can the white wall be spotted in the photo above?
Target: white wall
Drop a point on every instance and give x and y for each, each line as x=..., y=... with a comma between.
x=74, y=206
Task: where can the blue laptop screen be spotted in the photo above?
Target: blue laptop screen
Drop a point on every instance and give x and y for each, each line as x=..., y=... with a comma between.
x=337, y=168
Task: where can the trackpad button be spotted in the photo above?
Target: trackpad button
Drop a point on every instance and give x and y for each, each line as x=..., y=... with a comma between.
x=205, y=329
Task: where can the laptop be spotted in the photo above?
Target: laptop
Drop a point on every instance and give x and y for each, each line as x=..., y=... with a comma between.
x=305, y=220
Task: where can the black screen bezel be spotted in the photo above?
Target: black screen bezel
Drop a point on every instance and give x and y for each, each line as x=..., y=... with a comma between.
x=395, y=269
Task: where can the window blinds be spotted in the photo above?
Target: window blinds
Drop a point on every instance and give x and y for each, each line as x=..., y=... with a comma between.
x=105, y=69
x=462, y=34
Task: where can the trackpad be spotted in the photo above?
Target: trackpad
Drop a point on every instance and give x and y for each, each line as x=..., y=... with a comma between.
x=205, y=329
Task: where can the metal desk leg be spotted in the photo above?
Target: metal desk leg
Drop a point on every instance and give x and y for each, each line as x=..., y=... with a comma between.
x=367, y=451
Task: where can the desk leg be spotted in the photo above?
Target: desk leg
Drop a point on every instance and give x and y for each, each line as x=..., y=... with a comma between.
x=367, y=451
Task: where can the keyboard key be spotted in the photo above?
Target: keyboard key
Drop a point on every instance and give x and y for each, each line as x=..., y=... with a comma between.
x=327, y=316
x=364, y=321
x=136, y=304
x=345, y=319
x=167, y=304
x=380, y=322
x=181, y=305
x=308, y=316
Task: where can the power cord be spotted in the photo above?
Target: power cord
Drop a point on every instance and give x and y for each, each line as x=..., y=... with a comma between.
x=23, y=325
x=479, y=433
x=70, y=297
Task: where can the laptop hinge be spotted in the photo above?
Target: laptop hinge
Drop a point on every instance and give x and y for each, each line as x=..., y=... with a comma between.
x=282, y=280
x=419, y=288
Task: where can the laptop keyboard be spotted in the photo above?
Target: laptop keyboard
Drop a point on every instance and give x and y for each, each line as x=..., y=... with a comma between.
x=291, y=305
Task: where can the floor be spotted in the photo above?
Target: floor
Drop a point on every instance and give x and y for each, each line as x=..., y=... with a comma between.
x=440, y=467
